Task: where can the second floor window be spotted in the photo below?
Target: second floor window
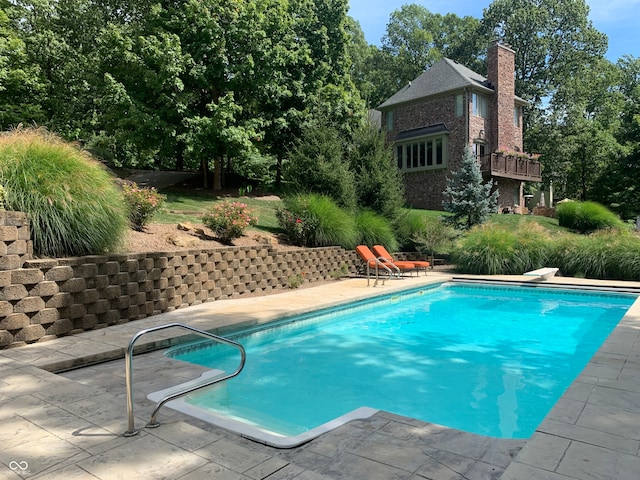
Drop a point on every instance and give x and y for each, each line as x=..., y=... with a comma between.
x=479, y=105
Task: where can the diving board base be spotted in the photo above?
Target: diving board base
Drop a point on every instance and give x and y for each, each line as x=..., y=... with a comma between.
x=543, y=273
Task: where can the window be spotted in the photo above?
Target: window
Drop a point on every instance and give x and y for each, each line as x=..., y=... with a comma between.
x=459, y=105
x=479, y=149
x=516, y=116
x=389, y=121
x=479, y=105
x=422, y=154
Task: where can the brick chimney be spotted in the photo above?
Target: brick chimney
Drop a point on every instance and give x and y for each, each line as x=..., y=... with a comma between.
x=501, y=68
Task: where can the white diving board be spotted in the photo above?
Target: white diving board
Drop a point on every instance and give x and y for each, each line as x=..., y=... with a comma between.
x=542, y=273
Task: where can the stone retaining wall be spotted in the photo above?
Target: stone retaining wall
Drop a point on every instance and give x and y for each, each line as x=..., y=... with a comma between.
x=44, y=299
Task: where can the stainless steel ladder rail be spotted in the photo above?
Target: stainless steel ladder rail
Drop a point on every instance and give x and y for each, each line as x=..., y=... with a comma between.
x=129, y=373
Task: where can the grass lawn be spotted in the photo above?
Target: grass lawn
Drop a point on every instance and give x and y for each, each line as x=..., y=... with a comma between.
x=188, y=206
x=182, y=206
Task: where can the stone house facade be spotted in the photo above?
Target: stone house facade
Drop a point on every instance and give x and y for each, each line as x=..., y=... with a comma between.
x=449, y=108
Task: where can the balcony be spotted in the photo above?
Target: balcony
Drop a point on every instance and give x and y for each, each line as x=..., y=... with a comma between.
x=511, y=166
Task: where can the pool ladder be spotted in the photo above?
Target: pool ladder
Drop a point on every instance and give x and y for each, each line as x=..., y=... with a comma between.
x=129, y=373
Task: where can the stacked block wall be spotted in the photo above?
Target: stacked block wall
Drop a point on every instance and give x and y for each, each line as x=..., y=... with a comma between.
x=44, y=299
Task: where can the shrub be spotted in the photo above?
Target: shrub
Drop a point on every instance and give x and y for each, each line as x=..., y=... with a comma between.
x=317, y=221
x=74, y=205
x=142, y=203
x=494, y=250
x=228, y=220
x=433, y=233
x=374, y=229
x=586, y=216
x=299, y=228
x=3, y=197
x=408, y=223
x=605, y=254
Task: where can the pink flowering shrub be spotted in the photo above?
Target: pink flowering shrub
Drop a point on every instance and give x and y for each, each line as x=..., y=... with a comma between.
x=142, y=203
x=299, y=228
x=229, y=219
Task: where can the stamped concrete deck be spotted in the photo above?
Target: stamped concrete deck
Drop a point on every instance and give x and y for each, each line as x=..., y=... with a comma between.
x=70, y=425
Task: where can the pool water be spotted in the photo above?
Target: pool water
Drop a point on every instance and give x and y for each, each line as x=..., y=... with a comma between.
x=487, y=360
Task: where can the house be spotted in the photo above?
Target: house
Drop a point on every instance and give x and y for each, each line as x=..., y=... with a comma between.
x=449, y=108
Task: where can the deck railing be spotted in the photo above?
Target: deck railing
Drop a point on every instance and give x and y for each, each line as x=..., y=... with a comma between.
x=511, y=166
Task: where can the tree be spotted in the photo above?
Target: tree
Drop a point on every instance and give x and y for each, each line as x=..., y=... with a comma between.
x=467, y=197
x=415, y=39
x=378, y=182
x=419, y=38
x=19, y=83
x=552, y=39
x=618, y=185
x=190, y=84
x=317, y=164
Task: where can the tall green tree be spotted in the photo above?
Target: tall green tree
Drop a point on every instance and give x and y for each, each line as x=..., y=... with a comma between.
x=317, y=163
x=577, y=135
x=467, y=196
x=415, y=39
x=190, y=84
x=378, y=182
x=553, y=40
x=20, y=87
x=618, y=186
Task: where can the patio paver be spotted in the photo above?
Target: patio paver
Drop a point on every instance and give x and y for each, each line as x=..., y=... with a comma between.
x=70, y=426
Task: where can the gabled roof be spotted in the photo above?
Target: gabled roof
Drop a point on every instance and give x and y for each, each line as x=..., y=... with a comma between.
x=443, y=76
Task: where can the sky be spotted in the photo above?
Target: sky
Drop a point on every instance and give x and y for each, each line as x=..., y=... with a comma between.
x=618, y=19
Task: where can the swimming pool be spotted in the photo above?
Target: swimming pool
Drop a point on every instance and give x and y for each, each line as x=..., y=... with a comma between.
x=489, y=360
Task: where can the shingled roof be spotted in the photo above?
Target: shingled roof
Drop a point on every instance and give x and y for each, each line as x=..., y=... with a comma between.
x=443, y=76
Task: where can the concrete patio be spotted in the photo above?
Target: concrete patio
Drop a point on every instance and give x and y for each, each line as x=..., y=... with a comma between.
x=70, y=425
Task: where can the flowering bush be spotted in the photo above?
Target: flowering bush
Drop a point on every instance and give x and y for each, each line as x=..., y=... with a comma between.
x=229, y=219
x=513, y=153
x=143, y=203
x=300, y=229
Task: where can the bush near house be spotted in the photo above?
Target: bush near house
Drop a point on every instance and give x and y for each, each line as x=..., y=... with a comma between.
x=74, y=205
x=586, y=216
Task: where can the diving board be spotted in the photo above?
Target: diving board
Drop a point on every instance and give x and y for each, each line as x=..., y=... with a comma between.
x=543, y=273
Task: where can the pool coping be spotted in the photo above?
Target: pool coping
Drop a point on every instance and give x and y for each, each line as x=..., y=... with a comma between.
x=565, y=443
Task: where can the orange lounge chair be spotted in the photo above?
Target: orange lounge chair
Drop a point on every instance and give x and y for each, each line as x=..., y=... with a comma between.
x=384, y=256
x=387, y=268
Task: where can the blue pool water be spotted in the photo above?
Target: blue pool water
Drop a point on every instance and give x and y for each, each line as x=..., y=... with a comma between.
x=487, y=360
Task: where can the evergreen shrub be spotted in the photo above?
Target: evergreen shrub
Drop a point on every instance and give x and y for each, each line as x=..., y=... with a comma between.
x=74, y=205
x=586, y=216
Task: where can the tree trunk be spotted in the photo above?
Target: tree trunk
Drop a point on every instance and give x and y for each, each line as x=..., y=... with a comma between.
x=217, y=174
x=205, y=174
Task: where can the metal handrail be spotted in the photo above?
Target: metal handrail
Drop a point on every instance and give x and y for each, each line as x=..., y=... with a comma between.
x=129, y=373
